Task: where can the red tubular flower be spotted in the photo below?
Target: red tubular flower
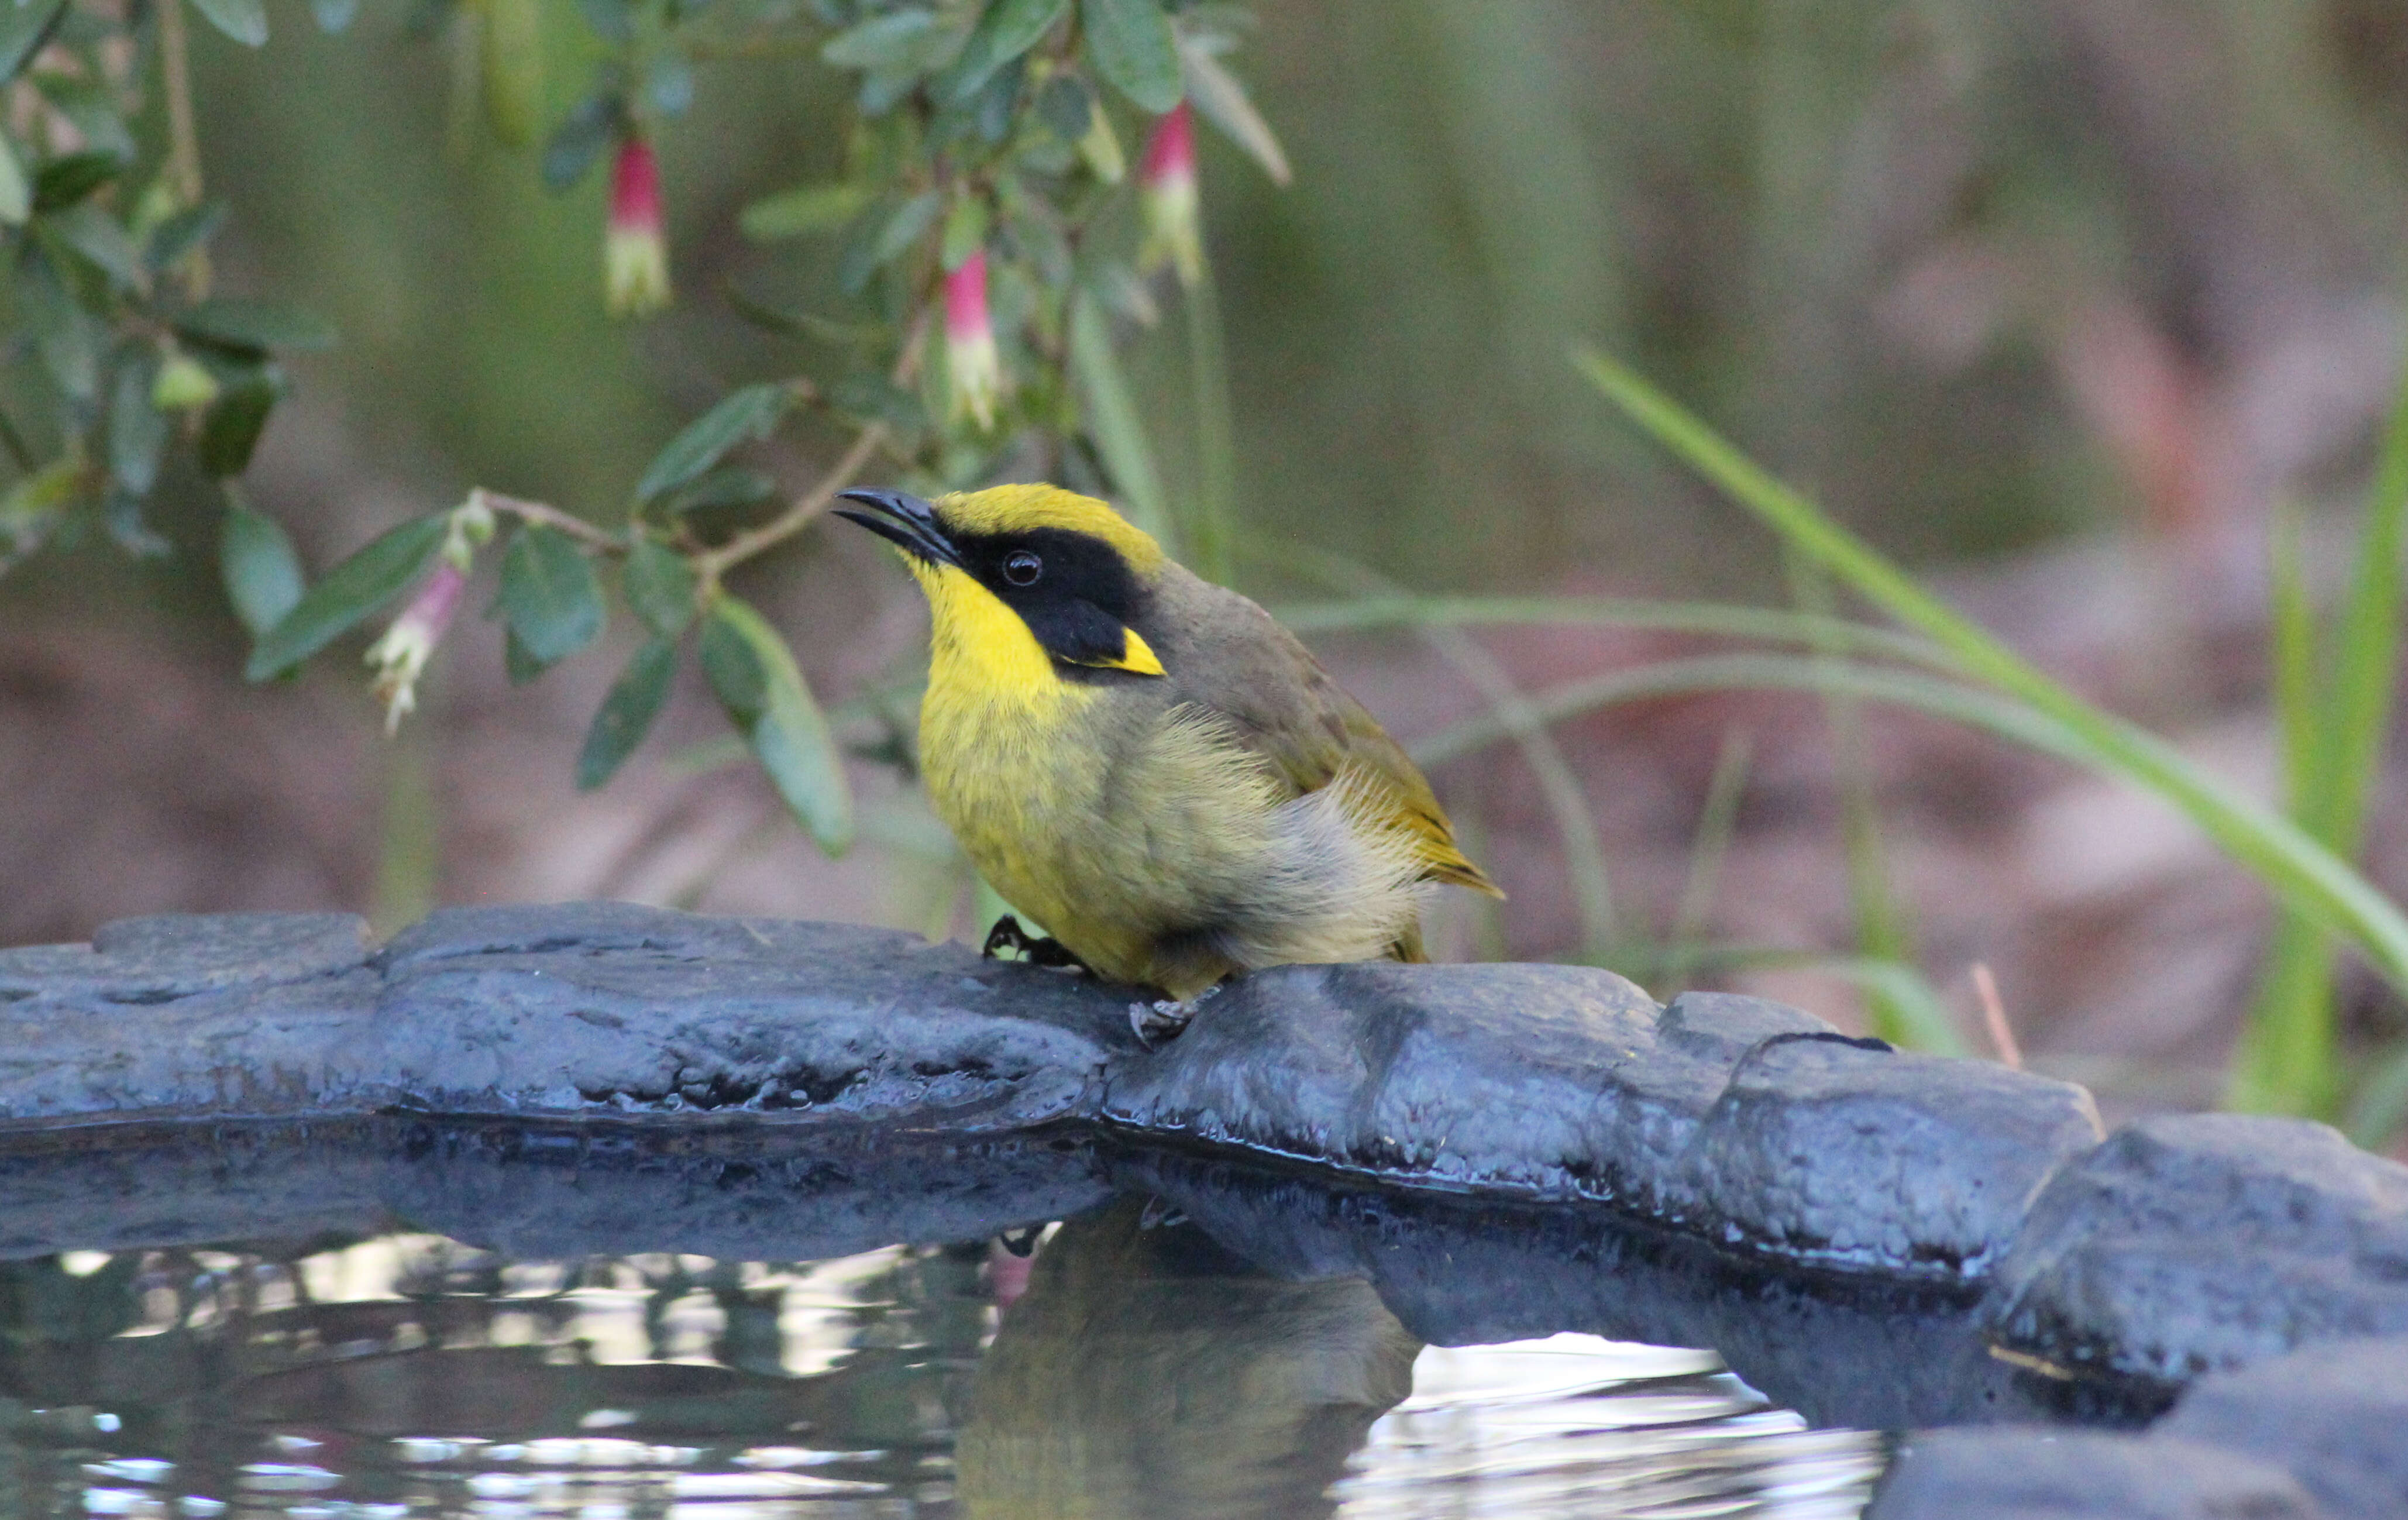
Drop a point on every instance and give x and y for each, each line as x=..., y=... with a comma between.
x=972, y=365
x=400, y=656
x=635, y=253
x=1166, y=187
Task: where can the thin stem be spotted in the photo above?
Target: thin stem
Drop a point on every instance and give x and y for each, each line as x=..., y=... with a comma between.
x=183, y=136
x=713, y=564
x=550, y=517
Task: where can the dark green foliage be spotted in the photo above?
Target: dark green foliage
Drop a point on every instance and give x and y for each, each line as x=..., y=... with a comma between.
x=550, y=596
x=626, y=714
x=349, y=594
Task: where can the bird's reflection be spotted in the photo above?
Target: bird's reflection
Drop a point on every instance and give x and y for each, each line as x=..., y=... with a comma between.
x=1147, y=1372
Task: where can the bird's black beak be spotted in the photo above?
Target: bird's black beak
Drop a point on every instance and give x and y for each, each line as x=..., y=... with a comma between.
x=902, y=520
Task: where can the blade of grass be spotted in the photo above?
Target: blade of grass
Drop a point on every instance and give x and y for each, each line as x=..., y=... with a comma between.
x=2289, y=1061
x=2380, y=1106
x=1119, y=431
x=1213, y=527
x=1717, y=821
x=1558, y=784
x=1770, y=624
x=2286, y=858
x=2284, y=1060
x=1951, y=700
x=1880, y=935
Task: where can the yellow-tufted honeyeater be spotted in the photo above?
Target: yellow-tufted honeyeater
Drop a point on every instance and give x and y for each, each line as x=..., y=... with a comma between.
x=1145, y=761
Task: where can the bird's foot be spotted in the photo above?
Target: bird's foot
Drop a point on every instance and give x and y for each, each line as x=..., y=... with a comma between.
x=1154, y=1023
x=1050, y=953
x=1022, y=1241
x=1160, y=1215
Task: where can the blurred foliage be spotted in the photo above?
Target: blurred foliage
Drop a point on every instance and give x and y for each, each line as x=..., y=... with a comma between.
x=1869, y=240
x=978, y=234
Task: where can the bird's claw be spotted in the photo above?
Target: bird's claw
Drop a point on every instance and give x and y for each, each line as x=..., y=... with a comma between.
x=1153, y=1023
x=1050, y=953
x=1020, y=1241
x=1160, y=1215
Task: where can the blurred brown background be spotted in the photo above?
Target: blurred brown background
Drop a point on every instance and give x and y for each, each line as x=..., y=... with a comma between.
x=2056, y=300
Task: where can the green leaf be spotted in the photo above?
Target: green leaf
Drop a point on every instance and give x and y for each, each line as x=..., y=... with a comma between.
x=231, y=428
x=245, y=21
x=262, y=573
x=796, y=213
x=521, y=666
x=1133, y=47
x=612, y=20
x=887, y=41
x=1008, y=29
x=906, y=227
x=2290, y=861
x=63, y=181
x=333, y=16
x=965, y=227
x=1221, y=100
x=351, y=592
x=103, y=240
x=1112, y=414
x=257, y=325
x=754, y=674
x=659, y=585
x=137, y=431
x=551, y=594
x=749, y=413
x=16, y=191
x=181, y=233
x=580, y=141
x=69, y=339
x=23, y=30
x=729, y=485
x=626, y=714
x=1065, y=106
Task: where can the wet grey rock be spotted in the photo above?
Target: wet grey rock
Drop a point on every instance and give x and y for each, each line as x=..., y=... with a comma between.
x=1871, y=1353
x=2336, y=1415
x=804, y=1195
x=128, y=1188
x=1544, y=1082
x=2189, y=1243
x=2032, y=1474
x=149, y=962
x=1848, y=1152
x=607, y=1008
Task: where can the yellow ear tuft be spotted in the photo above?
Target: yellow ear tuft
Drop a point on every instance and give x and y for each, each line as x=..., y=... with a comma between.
x=1137, y=658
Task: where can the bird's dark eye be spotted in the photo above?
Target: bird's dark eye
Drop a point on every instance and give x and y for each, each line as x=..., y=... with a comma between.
x=1022, y=568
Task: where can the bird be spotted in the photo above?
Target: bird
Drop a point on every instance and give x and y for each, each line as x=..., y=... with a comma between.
x=1147, y=763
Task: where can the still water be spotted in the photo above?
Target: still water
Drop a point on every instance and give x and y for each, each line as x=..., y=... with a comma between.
x=1168, y=1350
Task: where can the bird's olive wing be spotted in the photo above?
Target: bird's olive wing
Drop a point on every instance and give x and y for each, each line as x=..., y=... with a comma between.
x=1287, y=708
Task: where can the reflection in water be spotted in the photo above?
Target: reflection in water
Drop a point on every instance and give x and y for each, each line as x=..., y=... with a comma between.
x=1144, y=1372
x=1148, y=1372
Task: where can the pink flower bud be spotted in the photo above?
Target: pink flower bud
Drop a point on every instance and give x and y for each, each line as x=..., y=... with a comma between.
x=1166, y=188
x=400, y=656
x=972, y=365
x=635, y=253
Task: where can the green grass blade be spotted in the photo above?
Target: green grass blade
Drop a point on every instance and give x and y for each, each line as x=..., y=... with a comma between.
x=1558, y=783
x=1769, y=625
x=1717, y=822
x=1113, y=419
x=1881, y=932
x=2284, y=1062
x=2287, y=859
x=2380, y=1107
